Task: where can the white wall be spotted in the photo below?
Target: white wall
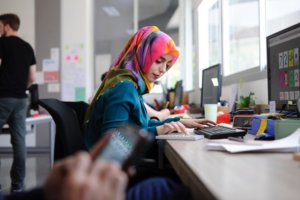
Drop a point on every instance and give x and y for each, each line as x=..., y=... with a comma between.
x=259, y=87
x=26, y=11
x=102, y=64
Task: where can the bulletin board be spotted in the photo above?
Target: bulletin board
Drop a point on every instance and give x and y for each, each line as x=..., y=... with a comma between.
x=73, y=72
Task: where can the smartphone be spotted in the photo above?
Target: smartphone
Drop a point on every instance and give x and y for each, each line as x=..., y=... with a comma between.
x=125, y=145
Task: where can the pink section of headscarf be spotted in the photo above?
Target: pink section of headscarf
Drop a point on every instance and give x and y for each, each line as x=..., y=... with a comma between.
x=146, y=46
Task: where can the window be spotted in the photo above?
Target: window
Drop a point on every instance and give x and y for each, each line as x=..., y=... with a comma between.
x=240, y=35
x=209, y=35
x=165, y=15
x=214, y=34
x=281, y=14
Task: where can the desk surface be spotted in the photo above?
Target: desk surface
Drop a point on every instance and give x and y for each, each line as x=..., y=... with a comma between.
x=221, y=175
x=41, y=119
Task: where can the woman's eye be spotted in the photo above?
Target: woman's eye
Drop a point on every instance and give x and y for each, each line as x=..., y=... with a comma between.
x=158, y=61
x=168, y=66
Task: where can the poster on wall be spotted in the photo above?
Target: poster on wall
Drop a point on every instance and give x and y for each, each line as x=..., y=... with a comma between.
x=51, y=70
x=73, y=72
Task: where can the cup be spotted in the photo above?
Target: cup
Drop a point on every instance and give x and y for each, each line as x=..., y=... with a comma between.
x=211, y=111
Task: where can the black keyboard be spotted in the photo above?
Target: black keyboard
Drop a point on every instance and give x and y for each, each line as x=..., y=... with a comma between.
x=218, y=132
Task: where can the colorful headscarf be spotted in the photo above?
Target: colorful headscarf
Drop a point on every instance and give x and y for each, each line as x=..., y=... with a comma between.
x=136, y=58
x=140, y=52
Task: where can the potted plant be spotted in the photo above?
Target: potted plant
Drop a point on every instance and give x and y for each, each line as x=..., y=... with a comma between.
x=246, y=101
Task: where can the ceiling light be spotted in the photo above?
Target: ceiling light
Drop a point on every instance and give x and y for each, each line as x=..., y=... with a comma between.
x=111, y=11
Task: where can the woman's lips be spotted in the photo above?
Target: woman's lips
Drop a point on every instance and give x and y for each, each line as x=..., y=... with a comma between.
x=155, y=76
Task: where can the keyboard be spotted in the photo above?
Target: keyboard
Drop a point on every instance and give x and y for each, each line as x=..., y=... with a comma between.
x=180, y=136
x=218, y=132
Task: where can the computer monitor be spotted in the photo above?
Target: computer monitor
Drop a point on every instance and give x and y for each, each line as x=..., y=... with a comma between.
x=211, y=85
x=283, y=65
x=178, y=93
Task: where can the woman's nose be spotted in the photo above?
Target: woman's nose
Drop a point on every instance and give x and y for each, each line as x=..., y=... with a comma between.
x=163, y=68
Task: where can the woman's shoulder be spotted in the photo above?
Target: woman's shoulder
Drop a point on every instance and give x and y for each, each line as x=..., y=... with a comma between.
x=124, y=90
x=125, y=85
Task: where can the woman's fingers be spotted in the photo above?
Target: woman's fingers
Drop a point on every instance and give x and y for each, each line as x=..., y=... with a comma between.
x=175, y=127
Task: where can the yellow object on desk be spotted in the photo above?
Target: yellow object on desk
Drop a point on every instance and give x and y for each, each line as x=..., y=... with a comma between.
x=278, y=115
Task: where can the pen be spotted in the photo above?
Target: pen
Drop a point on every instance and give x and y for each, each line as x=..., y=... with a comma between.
x=237, y=139
x=167, y=104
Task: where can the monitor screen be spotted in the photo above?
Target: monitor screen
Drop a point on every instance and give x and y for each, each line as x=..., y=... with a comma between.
x=211, y=85
x=283, y=65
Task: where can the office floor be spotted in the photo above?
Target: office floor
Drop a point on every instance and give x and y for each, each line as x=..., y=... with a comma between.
x=37, y=168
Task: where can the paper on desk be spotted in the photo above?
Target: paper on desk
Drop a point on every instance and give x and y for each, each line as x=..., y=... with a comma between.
x=287, y=144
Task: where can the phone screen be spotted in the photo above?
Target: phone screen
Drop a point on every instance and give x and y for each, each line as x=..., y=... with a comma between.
x=120, y=146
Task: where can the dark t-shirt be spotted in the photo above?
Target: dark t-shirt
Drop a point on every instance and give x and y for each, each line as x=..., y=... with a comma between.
x=17, y=56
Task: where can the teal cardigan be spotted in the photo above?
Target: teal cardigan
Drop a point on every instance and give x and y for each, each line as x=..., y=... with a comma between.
x=120, y=104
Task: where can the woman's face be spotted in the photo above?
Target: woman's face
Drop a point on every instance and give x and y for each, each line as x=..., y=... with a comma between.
x=159, y=68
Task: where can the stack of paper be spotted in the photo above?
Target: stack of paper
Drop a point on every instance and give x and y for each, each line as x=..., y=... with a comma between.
x=287, y=144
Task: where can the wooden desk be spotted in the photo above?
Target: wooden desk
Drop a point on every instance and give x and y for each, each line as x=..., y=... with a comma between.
x=221, y=175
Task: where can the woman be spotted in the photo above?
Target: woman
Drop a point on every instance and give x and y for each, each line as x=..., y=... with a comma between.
x=147, y=56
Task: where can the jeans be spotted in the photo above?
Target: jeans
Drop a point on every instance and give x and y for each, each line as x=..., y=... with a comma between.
x=158, y=188
x=13, y=112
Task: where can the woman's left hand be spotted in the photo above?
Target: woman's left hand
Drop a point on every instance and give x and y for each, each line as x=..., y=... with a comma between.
x=196, y=123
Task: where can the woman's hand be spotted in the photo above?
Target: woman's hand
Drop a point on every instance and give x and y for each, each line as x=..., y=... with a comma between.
x=164, y=113
x=171, y=127
x=196, y=123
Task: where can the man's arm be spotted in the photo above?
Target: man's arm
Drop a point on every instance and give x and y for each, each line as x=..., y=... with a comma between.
x=31, y=75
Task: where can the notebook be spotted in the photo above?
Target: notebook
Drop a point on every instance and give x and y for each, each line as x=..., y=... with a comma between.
x=180, y=136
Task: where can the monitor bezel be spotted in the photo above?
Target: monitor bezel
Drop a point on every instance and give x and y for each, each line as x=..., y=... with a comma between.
x=270, y=37
x=219, y=66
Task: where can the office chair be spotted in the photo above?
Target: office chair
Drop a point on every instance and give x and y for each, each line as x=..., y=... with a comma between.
x=69, y=135
x=80, y=108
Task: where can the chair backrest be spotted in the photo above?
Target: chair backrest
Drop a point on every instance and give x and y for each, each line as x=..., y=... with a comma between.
x=69, y=136
x=80, y=108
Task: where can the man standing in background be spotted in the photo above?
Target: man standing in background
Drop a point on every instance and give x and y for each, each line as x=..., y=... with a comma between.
x=17, y=73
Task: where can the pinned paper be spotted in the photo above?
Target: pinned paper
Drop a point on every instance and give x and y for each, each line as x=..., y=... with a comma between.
x=54, y=54
x=50, y=65
x=39, y=77
x=54, y=87
x=272, y=106
x=51, y=76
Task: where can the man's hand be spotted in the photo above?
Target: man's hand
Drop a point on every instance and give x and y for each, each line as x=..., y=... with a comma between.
x=78, y=178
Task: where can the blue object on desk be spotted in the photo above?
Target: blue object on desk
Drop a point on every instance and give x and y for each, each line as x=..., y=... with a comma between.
x=264, y=136
x=262, y=125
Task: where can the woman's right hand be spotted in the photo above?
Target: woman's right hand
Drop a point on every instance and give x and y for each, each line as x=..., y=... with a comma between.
x=171, y=127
